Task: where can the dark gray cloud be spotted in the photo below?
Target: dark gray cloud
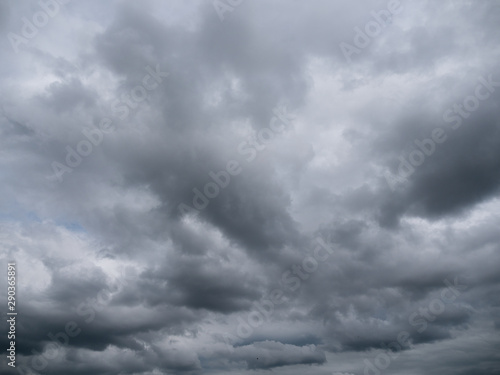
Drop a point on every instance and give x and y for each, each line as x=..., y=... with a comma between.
x=139, y=251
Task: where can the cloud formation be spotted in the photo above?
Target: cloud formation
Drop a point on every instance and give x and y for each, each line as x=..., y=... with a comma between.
x=388, y=152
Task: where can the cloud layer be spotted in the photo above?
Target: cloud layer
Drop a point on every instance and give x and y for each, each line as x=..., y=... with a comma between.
x=219, y=187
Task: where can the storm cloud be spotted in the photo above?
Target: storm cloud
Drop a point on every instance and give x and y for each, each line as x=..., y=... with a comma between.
x=232, y=187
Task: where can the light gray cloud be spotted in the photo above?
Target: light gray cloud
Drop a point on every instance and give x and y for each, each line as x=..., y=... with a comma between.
x=187, y=281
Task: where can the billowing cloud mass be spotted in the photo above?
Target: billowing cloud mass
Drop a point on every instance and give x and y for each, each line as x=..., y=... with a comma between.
x=239, y=187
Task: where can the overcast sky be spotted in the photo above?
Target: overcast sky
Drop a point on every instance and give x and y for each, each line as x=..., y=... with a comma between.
x=251, y=187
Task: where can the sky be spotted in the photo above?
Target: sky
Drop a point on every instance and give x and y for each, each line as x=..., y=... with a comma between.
x=250, y=187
